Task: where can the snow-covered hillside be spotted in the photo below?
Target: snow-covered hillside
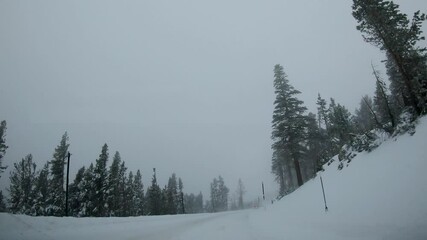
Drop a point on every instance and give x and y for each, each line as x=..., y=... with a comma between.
x=381, y=195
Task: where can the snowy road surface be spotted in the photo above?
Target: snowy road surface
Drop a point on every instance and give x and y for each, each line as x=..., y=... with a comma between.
x=226, y=225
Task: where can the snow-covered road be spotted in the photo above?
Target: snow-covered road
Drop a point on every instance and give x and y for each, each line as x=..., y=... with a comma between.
x=225, y=225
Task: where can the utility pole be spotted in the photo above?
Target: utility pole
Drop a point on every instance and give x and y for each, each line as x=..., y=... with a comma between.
x=66, y=187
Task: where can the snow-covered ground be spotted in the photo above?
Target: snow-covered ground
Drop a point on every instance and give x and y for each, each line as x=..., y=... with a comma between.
x=381, y=195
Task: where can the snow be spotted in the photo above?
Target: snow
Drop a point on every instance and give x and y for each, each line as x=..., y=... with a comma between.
x=380, y=195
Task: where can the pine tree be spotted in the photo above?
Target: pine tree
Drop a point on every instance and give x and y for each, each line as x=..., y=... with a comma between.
x=219, y=195
x=341, y=127
x=288, y=133
x=100, y=183
x=322, y=112
x=214, y=203
x=385, y=112
x=3, y=145
x=189, y=202
x=22, y=183
x=88, y=192
x=121, y=211
x=198, y=203
x=181, y=207
x=129, y=202
x=154, y=197
x=113, y=197
x=317, y=147
x=365, y=118
x=223, y=195
x=56, y=184
x=384, y=26
x=3, y=207
x=172, y=197
x=138, y=189
x=240, y=192
x=77, y=193
x=41, y=192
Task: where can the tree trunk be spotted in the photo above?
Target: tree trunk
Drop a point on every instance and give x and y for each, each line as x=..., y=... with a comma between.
x=298, y=171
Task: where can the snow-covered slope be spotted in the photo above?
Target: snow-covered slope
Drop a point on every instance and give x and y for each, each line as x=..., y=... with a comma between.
x=381, y=195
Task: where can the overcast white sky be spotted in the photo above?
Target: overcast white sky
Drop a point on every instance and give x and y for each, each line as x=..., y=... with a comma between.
x=184, y=86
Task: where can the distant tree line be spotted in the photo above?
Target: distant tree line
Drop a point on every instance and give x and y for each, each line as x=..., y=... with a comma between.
x=303, y=142
x=99, y=190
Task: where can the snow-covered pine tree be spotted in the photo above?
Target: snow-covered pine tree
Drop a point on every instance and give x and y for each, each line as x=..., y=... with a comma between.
x=77, y=193
x=214, y=203
x=113, y=196
x=198, y=203
x=88, y=193
x=341, y=127
x=383, y=25
x=3, y=145
x=322, y=112
x=240, y=192
x=154, y=197
x=223, y=191
x=22, y=183
x=385, y=112
x=365, y=119
x=100, y=183
x=289, y=125
x=129, y=202
x=41, y=192
x=3, y=207
x=317, y=147
x=56, y=199
x=121, y=211
x=189, y=201
x=180, y=197
x=138, y=189
x=172, y=198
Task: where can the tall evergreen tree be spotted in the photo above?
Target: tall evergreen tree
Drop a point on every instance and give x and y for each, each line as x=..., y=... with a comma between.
x=113, y=196
x=316, y=147
x=181, y=207
x=289, y=126
x=88, y=192
x=3, y=207
x=198, y=203
x=138, y=189
x=240, y=192
x=41, y=192
x=172, y=197
x=77, y=193
x=56, y=185
x=22, y=182
x=219, y=195
x=322, y=112
x=223, y=195
x=341, y=127
x=129, y=202
x=3, y=145
x=214, y=195
x=385, y=112
x=154, y=197
x=100, y=183
x=384, y=26
x=365, y=118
